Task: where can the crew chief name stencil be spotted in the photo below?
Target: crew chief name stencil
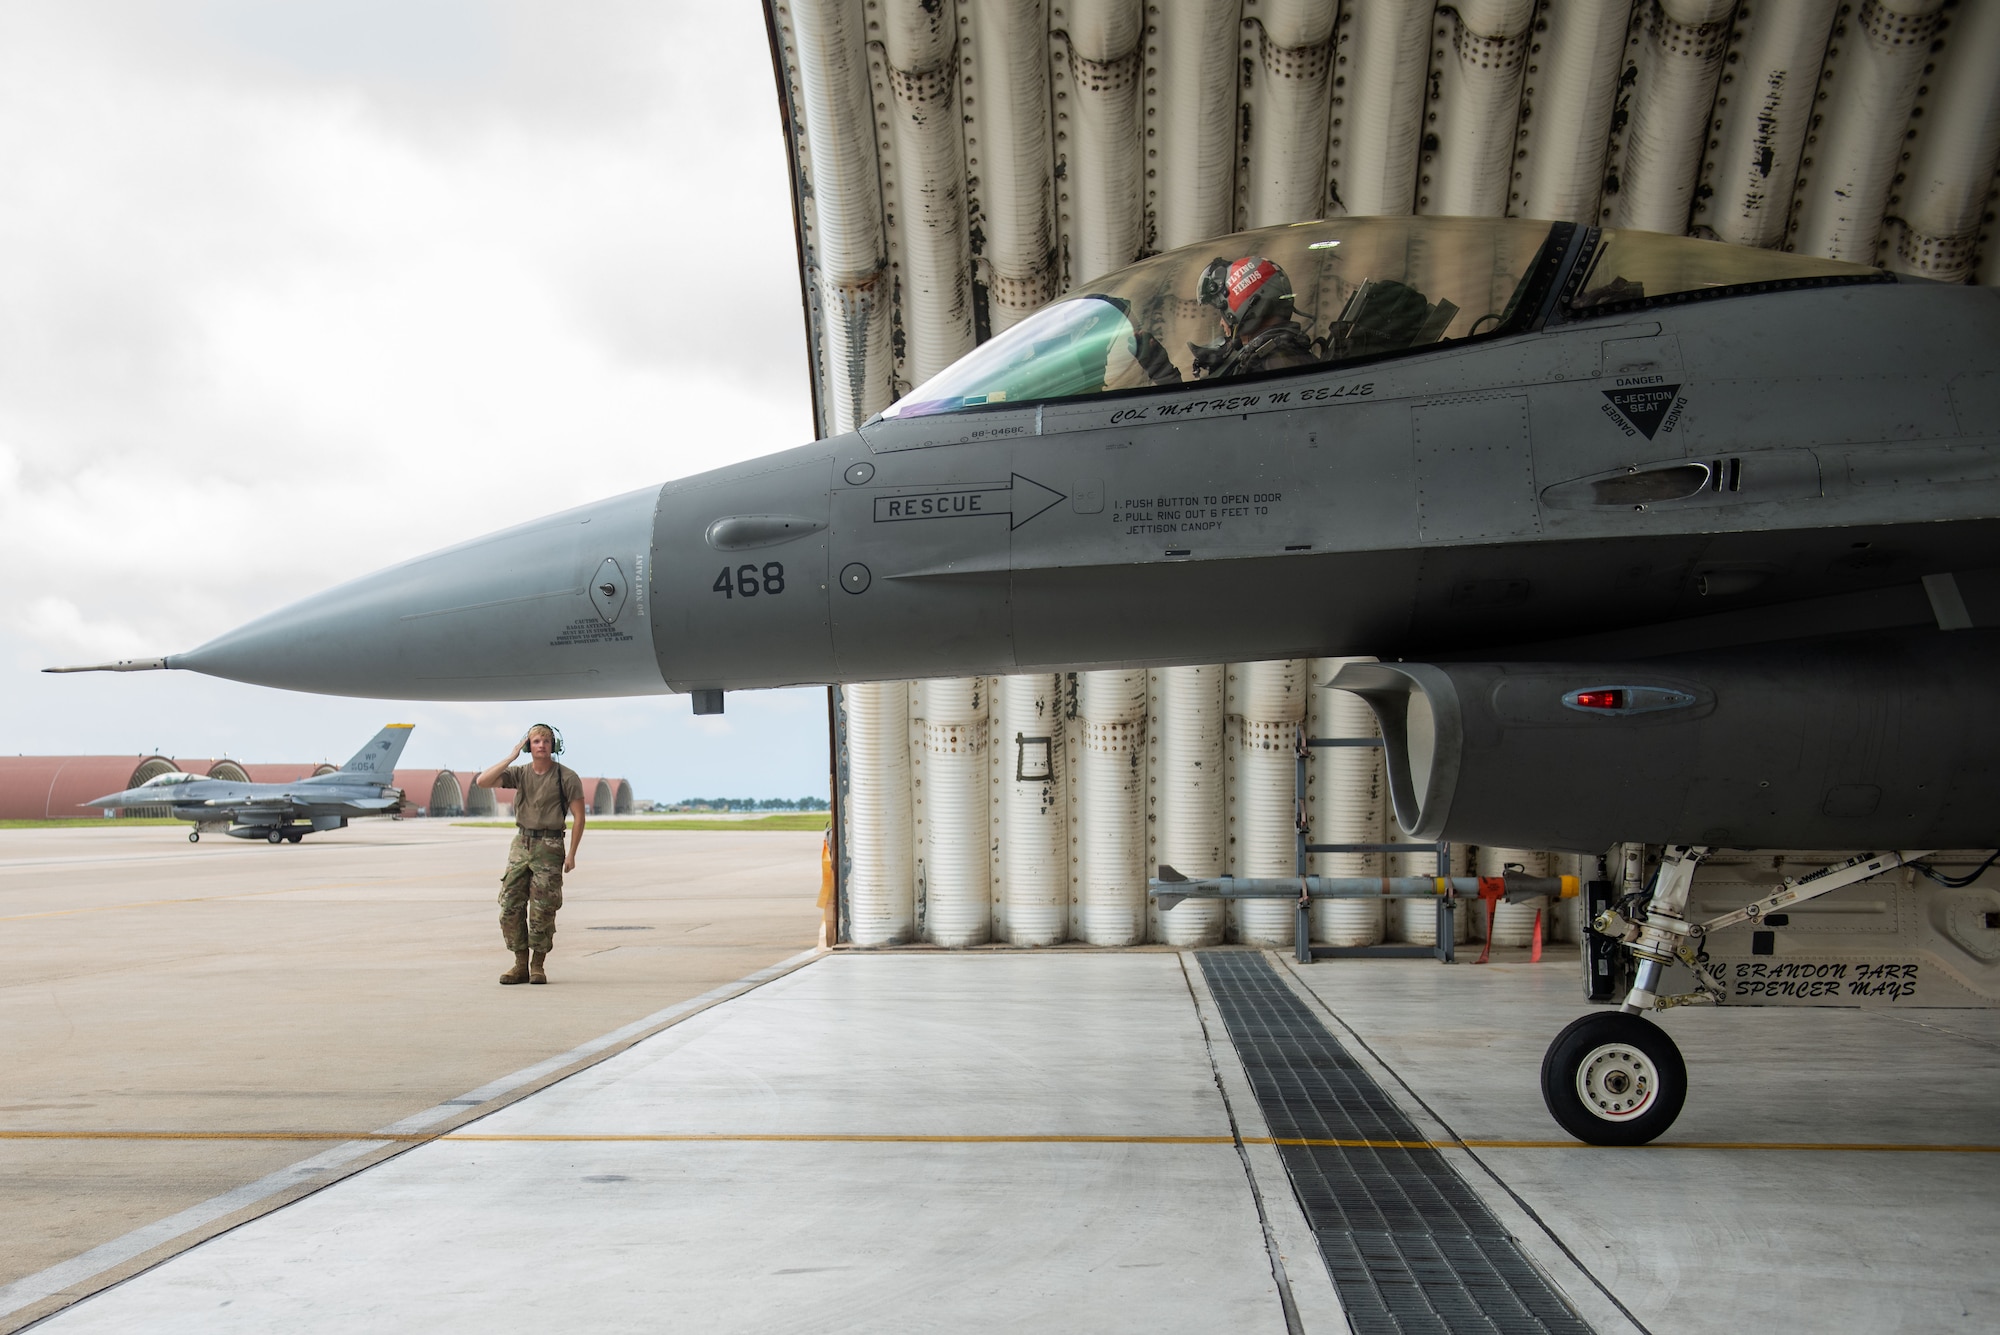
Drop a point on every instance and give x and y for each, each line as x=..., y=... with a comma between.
x=1019, y=498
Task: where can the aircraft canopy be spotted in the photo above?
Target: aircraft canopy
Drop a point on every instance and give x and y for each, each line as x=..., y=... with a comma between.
x=1633, y=266
x=1321, y=293
x=169, y=779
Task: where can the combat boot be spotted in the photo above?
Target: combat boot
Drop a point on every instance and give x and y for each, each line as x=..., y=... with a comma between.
x=535, y=974
x=519, y=973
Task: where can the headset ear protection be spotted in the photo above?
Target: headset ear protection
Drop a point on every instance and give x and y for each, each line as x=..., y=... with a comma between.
x=553, y=732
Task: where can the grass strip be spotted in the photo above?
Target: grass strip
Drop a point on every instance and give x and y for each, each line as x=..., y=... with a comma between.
x=803, y=820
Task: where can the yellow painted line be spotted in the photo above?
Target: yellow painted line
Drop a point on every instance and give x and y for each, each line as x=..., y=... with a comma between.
x=670, y=1136
x=1353, y=1144
x=199, y=1135
x=864, y=1139
x=894, y=1138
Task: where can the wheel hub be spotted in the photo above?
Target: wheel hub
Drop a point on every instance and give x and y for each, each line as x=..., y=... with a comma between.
x=1617, y=1082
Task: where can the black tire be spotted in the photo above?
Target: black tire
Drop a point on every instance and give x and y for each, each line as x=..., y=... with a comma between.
x=274, y=837
x=296, y=837
x=194, y=836
x=1636, y=1073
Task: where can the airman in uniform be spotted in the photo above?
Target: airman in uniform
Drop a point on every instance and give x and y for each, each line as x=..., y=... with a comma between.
x=531, y=887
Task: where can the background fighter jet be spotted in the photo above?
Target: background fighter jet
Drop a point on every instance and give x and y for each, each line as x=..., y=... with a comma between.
x=1674, y=542
x=280, y=811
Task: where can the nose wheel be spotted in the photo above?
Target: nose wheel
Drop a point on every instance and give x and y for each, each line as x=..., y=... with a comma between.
x=194, y=836
x=1614, y=1079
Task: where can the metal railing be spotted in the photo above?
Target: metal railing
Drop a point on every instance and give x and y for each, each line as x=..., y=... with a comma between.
x=1170, y=888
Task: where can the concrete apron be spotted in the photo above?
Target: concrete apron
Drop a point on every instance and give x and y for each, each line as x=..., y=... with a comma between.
x=1010, y=1140
x=873, y=1142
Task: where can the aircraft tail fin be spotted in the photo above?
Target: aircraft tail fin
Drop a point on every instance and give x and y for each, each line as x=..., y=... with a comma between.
x=377, y=760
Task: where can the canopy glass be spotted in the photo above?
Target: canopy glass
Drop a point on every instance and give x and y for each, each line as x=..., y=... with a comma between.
x=1322, y=293
x=1639, y=266
x=1318, y=293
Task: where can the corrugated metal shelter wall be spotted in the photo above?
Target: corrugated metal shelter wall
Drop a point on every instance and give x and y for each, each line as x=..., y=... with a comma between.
x=956, y=165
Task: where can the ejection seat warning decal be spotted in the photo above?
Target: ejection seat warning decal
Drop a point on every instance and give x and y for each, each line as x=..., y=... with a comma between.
x=1019, y=498
x=1644, y=407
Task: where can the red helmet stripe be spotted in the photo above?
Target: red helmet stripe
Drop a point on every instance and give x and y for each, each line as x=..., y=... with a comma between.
x=1245, y=277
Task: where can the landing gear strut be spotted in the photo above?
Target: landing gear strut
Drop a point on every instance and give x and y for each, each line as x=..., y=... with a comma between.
x=1617, y=1079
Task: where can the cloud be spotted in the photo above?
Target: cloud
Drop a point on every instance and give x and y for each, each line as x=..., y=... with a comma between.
x=60, y=624
x=291, y=292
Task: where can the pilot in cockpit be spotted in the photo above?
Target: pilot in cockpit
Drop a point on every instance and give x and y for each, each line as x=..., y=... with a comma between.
x=1266, y=336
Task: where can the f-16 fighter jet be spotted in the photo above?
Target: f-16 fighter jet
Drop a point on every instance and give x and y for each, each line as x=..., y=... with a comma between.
x=1661, y=541
x=279, y=812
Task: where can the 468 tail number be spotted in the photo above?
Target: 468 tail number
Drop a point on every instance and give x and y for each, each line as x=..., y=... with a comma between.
x=748, y=581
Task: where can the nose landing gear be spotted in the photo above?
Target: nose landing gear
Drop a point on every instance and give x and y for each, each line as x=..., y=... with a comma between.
x=1617, y=1079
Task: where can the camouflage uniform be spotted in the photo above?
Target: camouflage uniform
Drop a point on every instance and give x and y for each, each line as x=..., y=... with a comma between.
x=531, y=891
x=531, y=887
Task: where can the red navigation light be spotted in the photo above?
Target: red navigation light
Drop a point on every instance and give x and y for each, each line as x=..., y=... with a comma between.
x=1599, y=699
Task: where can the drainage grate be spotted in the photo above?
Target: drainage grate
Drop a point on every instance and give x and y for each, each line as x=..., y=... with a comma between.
x=1409, y=1246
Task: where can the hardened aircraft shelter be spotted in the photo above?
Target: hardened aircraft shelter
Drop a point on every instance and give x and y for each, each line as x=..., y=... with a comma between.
x=1007, y=1091
x=958, y=165
x=57, y=787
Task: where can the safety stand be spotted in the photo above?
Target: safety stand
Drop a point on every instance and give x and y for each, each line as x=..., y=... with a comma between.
x=1307, y=952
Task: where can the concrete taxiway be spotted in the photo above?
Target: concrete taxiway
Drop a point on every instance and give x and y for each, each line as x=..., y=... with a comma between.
x=1081, y=1140
x=174, y=1014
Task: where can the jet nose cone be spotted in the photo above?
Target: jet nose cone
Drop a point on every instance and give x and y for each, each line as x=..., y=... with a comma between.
x=510, y=616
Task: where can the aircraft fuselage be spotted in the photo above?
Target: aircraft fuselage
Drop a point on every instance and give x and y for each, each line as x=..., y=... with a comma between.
x=1817, y=452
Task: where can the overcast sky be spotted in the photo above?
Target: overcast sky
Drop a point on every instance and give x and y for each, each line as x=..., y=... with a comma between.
x=291, y=291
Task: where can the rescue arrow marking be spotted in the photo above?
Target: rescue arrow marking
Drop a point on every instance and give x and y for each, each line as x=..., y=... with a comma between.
x=1020, y=499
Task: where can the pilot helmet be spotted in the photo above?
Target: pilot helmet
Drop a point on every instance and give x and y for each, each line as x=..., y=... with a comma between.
x=1258, y=289
x=1213, y=289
